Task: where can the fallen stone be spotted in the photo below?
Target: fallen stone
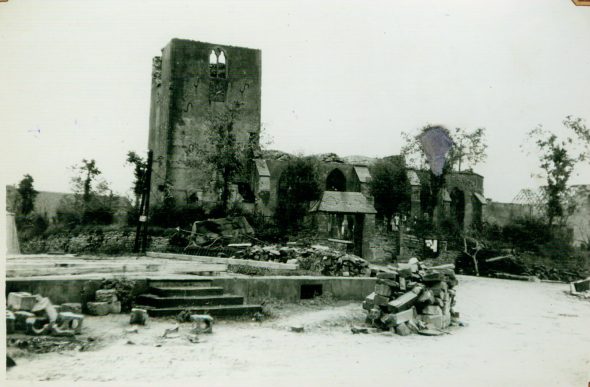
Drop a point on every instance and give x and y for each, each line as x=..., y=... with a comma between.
x=388, y=282
x=432, y=310
x=433, y=276
x=37, y=326
x=98, y=308
x=68, y=321
x=391, y=320
x=382, y=290
x=297, y=328
x=106, y=295
x=171, y=333
x=73, y=307
x=202, y=323
x=580, y=286
x=380, y=300
x=426, y=298
x=403, y=330
x=10, y=322
x=357, y=330
x=402, y=303
x=374, y=314
x=20, y=301
x=432, y=321
x=138, y=316
x=132, y=330
x=21, y=316
x=402, y=283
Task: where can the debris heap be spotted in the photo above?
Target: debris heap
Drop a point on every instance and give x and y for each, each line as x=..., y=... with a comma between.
x=318, y=258
x=411, y=298
x=36, y=315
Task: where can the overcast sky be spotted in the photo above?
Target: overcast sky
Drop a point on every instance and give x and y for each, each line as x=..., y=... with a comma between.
x=337, y=77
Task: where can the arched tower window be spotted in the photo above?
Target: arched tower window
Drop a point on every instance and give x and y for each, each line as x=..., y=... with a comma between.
x=217, y=64
x=336, y=181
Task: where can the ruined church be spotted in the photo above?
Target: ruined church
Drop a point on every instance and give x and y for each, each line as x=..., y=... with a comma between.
x=191, y=81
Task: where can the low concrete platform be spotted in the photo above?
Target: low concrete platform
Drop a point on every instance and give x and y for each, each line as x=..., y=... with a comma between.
x=62, y=289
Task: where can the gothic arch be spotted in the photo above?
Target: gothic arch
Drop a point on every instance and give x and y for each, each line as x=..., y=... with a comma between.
x=336, y=181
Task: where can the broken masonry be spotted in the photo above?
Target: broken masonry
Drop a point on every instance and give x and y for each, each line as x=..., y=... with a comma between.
x=410, y=298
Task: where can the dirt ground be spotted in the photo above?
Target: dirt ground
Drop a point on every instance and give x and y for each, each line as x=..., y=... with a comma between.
x=517, y=334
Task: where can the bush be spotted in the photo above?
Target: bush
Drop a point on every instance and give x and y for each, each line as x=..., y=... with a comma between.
x=30, y=226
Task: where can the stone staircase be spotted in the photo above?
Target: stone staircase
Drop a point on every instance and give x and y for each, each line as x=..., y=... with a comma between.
x=170, y=297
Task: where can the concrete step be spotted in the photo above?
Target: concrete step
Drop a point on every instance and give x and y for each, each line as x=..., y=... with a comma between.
x=170, y=291
x=194, y=282
x=188, y=301
x=217, y=311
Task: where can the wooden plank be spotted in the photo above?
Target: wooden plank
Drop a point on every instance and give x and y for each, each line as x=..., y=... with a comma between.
x=227, y=261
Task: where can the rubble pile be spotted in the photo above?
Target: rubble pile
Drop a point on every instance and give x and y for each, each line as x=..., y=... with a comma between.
x=36, y=315
x=318, y=258
x=411, y=298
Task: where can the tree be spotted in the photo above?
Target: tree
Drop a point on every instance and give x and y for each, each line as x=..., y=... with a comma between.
x=299, y=185
x=224, y=155
x=469, y=148
x=557, y=159
x=390, y=187
x=93, y=201
x=27, y=195
x=139, y=168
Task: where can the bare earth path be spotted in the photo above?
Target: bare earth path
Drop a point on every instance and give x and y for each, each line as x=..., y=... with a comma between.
x=518, y=334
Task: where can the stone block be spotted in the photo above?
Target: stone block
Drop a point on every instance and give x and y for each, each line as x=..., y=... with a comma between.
x=21, y=301
x=138, y=316
x=37, y=326
x=394, y=319
x=402, y=283
x=10, y=322
x=432, y=322
x=369, y=301
x=403, y=302
x=404, y=270
x=73, y=307
x=426, y=297
x=116, y=307
x=21, y=316
x=403, y=330
x=432, y=310
x=374, y=314
x=106, y=295
x=380, y=300
x=382, y=290
x=388, y=282
x=98, y=308
x=438, y=288
x=68, y=321
x=202, y=323
x=433, y=276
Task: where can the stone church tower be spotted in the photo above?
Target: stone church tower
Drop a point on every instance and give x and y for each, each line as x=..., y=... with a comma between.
x=192, y=82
